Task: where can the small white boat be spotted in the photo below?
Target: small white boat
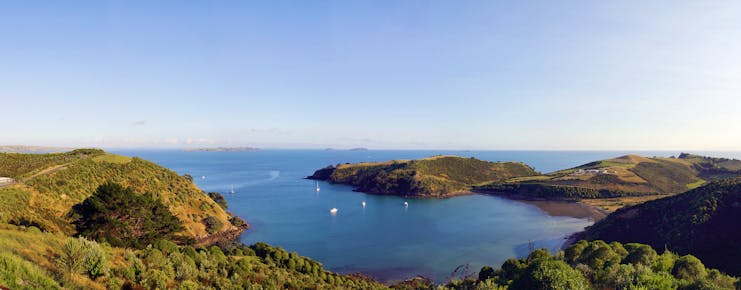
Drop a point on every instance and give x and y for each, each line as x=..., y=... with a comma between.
x=232, y=191
x=363, y=204
x=317, y=186
x=203, y=177
x=333, y=210
x=406, y=204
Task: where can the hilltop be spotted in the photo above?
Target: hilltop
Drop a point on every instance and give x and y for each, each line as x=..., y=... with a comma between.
x=439, y=176
x=629, y=175
x=45, y=188
x=703, y=221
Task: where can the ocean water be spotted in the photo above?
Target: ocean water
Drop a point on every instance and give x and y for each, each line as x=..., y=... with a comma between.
x=430, y=237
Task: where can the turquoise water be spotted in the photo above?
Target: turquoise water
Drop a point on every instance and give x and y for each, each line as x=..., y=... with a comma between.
x=430, y=237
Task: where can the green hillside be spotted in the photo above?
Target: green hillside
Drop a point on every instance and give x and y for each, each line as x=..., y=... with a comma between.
x=703, y=222
x=438, y=176
x=629, y=175
x=49, y=185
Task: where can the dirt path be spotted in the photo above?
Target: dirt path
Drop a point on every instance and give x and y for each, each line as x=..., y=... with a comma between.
x=46, y=171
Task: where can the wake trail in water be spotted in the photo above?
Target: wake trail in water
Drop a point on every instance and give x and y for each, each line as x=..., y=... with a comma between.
x=274, y=174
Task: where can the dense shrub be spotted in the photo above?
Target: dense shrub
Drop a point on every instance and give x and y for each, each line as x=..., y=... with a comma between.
x=124, y=218
x=213, y=225
x=598, y=265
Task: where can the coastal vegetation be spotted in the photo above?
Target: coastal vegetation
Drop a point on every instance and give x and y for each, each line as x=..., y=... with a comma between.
x=438, y=176
x=599, y=265
x=703, y=222
x=49, y=186
x=31, y=259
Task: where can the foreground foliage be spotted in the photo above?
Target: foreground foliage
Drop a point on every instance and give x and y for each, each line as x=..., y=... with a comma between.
x=703, y=222
x=598, y=265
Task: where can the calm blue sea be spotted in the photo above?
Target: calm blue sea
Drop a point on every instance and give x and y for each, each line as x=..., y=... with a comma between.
x=385, y=240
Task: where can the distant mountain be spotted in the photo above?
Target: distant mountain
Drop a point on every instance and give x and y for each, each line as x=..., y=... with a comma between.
x=629, y=175
x=221, y=149
x=358, y=149
x=32, y=149
x=439, y=176
x=703, y=222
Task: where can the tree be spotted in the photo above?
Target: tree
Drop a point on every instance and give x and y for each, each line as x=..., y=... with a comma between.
x=219, y=199
x=124, y=218
x=213, y=225
x=549, y=274
x=640, y=254
x=689, y=268
x=485, y=273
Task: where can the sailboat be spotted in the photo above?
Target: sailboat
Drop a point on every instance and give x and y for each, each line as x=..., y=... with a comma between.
x=232, y=191
x=363, y=204
x=406, y=204
x=317, y=186
x=333, y=211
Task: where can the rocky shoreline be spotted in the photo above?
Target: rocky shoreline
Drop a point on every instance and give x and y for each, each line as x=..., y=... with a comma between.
x=228, y=235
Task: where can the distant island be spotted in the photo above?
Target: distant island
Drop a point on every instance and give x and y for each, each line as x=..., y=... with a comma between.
x=32, y=149
x=351, y=149
x=221, y=149
x=439, y=176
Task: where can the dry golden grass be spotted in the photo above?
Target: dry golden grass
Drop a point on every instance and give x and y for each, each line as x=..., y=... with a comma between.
x=613, y=204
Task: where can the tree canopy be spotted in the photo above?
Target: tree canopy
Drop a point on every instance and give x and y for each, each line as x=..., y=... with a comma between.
x=125, y=218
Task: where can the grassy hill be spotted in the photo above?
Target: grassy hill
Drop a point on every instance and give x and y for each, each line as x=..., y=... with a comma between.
x=49, y=185
x=438, y=176
x=703, y=221
x=629, y=175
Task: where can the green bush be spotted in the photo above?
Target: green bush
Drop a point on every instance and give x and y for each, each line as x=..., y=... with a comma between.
x=219, y=199
x=213, y=225
x=80, y=255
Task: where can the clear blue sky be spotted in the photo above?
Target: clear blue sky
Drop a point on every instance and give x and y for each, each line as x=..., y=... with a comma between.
x=377, y=74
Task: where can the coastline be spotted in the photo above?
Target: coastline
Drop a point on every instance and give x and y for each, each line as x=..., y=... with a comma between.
x=228, y=235
x=558, y=207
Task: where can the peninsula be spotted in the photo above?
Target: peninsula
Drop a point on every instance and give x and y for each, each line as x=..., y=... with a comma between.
x=439, y=176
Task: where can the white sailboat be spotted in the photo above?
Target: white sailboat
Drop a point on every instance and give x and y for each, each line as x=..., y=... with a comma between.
x=317, y=186
x=232, y=190
x=333, y=211
x=406, y=204
x=363, y=204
